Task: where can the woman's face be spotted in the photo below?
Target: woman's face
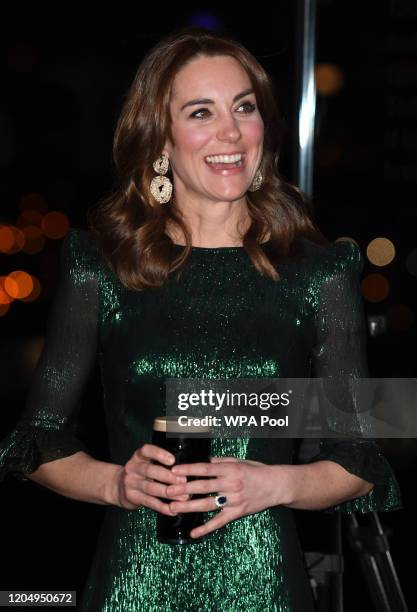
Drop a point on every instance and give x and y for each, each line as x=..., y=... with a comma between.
x=213, y=112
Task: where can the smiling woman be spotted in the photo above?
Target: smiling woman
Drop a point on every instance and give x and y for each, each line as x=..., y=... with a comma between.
x=258, y=293
x=197, y=99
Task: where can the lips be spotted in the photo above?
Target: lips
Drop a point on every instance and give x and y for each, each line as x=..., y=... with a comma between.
x=226, y=166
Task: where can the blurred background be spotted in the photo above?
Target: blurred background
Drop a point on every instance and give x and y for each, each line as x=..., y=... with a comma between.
x=64, y=76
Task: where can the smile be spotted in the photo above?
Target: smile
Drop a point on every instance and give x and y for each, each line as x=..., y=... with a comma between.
x=225, y=159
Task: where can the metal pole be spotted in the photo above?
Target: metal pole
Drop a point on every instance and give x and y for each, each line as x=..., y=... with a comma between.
x=306, y=94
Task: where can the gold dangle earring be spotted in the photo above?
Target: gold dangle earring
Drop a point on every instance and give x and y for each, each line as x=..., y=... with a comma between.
x=257, y=181
x=161, y=186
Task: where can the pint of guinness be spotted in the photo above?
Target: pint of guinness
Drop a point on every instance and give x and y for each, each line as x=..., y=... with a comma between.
x=186, y=449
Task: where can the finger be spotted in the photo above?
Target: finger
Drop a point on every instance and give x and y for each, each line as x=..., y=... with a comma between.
x=224, y=459
x=151, y=451
x=159, y=472
x=151, y=502
x=219, y=520
x=157, y=489
x=198, y=486
x=205, y=504
x=197, y=469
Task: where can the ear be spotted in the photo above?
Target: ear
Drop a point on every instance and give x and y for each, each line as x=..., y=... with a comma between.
x=167, y=148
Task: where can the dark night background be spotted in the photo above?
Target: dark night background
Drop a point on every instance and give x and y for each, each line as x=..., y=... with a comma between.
x=63, y=81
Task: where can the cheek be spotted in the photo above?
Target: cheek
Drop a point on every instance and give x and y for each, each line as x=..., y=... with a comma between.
x=255, y=132
x=190, y=140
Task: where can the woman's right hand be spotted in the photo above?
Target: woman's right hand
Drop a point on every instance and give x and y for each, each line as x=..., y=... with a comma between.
x=140, y=482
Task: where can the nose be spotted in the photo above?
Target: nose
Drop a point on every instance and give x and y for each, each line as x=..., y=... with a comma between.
x=229, y=130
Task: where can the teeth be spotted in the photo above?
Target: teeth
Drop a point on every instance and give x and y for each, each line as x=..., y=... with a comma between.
x=224, y=159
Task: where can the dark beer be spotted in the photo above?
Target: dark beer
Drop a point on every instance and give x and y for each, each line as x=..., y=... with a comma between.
x=186, y=449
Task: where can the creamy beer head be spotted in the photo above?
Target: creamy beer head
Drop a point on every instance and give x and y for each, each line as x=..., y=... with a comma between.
x=171, y=425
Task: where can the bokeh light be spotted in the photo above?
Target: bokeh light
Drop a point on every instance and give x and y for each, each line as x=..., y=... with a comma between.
x=346, y=239
x=12, y=239
x=18, y=284
x=6, y=238
x=4, y=296
x=329, y=79
x=55, y=225
x=375, y=287
x=36, y=291
x=380, y=251
x=34, y=239
x=29, y=217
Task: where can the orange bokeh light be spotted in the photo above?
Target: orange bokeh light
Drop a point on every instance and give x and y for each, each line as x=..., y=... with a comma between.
x=36, y=291
x=329, y=79
x=4, y=296
x=29, y=217
x=6, y=238
x=380, y=251
x=375, y=287
x=18, y=284
x=55, y=225
x=11, y=239
x=34, y=239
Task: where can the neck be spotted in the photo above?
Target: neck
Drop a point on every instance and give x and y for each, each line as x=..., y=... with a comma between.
x=220, y=228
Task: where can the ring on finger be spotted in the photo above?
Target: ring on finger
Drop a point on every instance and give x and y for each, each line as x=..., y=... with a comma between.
x=220, y=501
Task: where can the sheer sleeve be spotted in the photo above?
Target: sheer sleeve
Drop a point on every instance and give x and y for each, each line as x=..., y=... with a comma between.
x=46, y=429
x=339, y=356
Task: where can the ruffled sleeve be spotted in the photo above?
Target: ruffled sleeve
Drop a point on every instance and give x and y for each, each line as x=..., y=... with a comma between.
x=339, y=357
x=47, y=428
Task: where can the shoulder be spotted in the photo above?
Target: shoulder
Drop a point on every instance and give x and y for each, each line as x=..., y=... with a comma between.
x=79, y=251
x=79, y=241
x=338, y=256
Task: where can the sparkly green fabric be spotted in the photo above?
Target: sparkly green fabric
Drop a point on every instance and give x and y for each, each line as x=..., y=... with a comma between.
x=220, y=319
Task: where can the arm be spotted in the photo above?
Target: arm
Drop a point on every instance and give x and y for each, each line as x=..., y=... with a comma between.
x=351, y=474
x=318, y=485
x=81, y=477
x=44, y=447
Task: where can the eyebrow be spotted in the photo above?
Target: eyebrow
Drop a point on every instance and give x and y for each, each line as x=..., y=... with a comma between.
x=242, y=94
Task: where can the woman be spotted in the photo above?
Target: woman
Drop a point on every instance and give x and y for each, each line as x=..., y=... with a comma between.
x=198, y=265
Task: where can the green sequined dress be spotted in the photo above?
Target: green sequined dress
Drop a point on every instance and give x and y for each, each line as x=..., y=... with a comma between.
x=221, y=319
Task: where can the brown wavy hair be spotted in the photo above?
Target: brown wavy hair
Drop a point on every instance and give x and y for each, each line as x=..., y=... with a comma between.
x=130, y=224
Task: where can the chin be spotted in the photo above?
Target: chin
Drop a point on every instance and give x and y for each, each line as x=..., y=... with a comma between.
x=232, y=194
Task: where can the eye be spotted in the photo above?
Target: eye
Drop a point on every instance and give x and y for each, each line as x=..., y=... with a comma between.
x=197, y=112
x=249, y=105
